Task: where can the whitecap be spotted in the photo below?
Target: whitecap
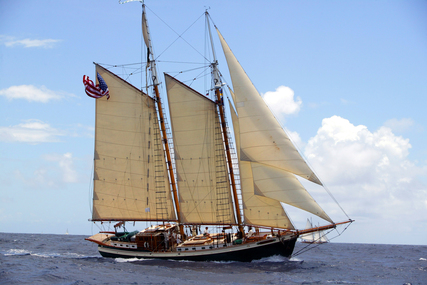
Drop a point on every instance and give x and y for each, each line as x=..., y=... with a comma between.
x=17, y=252
x=122, y=260
x=274, y=258
x=296, y=259
x=46, y=255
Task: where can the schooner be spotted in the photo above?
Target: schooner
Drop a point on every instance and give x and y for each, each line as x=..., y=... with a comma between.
x=202, y=201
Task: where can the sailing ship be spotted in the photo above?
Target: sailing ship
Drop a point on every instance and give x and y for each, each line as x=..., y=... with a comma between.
x=190, y=181
x=316, y=237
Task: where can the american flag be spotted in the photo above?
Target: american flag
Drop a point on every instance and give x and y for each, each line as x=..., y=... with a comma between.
x=98, y=91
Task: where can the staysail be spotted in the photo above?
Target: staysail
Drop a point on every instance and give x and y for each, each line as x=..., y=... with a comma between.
x=268, y=160
x=258, y=209
x=130, y=175
x=262, y=138
x=202, y=177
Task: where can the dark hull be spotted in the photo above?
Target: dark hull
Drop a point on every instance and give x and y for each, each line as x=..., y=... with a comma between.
x=243, y=253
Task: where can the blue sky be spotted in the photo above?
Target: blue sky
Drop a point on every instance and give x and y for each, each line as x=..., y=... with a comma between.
x=347, y=79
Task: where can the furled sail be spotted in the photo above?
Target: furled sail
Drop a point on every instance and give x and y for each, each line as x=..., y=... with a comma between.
x=202, y=177
x=130, y=176
x=262, y=138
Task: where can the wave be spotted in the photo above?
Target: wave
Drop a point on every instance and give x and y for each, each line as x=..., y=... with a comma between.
x=124, y=260
x=23, y=252
x=17, y=252
x=274, y=258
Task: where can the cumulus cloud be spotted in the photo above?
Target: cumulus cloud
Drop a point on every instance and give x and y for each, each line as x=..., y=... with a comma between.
x=296, y=139
x=368, y=172
x=32, y=93
x=31, y=131
x=282, y=101
x=28, y=43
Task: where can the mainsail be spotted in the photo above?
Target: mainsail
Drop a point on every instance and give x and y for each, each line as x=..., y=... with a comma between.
x=202, y=177
x=130, y=178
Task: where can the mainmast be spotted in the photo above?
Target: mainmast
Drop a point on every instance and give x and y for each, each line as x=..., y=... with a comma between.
x=219, y=102
x=152, y=63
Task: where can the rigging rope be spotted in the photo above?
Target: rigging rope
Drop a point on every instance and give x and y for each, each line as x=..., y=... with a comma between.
x=179, y=35
x=313, y=245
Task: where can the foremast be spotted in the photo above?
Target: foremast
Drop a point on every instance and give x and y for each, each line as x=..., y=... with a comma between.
x=219, y=102
x=152, y=64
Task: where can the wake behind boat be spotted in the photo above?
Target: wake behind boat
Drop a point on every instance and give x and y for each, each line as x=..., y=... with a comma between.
x=204, y=199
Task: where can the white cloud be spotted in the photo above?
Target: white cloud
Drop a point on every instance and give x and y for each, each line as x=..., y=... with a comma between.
x=27, y=43
x=55, y=171
x=346, y=102
x=66, y=165
x=32, y=131
x=368, y=172
x=79, y=130
x=399, y=126
x=31, y=93
x=296, y=139
x=282, y=102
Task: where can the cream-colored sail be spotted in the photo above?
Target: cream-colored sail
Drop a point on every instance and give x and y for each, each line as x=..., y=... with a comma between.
x=262, y=138
x=283, y=186
x=203, y=185
x=235, y=121
x=130, y=178
x=145, y=32
x=260, y=210
x=269, y=179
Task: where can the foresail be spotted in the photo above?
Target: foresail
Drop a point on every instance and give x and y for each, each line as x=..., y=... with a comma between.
x=202, y=177
x=258, y=209
x=262, y=138
x=283, y=186
x=130, y=178
x=269, y=181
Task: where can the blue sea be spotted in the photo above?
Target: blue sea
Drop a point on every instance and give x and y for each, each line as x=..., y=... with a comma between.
x=69, y=259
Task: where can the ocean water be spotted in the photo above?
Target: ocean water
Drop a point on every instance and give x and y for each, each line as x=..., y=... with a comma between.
x=69, y=259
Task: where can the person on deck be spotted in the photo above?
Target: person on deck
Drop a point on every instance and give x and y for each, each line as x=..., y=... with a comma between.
x=206, y=232
x=250, y=233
